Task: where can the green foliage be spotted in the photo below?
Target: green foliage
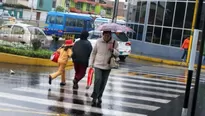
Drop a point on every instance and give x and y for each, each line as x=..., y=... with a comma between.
x=17, y=45
x=30, y=53
x=36, y=44
x=59, y=9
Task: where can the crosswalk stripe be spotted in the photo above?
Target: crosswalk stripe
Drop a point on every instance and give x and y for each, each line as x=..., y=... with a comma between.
x=148, y=82
x=71, y=96
x=118, y=86
x=133, y=78
x=17, y=106
x=66, y=105
x=115, y=94
x=122, y=80
x=141, y=77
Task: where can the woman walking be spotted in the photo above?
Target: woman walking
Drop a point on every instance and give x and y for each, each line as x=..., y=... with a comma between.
x=104, y=48
x=80, y=56
x=65, y=52
x=185, y=47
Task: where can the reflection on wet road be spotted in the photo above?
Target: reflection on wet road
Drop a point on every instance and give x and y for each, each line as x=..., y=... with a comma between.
x=136, y=89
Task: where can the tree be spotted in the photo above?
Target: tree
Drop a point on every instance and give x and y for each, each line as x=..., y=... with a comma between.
x=59, y=9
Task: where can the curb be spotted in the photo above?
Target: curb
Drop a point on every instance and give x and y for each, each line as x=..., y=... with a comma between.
x=16, y=59
x=159, y=60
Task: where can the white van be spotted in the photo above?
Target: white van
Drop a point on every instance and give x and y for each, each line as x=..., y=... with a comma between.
x=100, y=21
x=123, y=42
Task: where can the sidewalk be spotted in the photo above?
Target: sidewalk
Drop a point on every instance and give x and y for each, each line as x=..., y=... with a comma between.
x=161, y=60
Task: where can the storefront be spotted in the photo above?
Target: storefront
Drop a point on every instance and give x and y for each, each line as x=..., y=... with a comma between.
x=164, y=22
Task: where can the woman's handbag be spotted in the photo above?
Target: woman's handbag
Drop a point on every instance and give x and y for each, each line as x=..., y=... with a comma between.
x=113, y=60
x=54, y=57
x=90, y=77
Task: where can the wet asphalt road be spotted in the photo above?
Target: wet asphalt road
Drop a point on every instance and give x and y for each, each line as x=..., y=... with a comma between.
x=138, y=88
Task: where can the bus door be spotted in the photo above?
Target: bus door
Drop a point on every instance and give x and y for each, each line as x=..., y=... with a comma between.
x=50, y=20
x=89, y=25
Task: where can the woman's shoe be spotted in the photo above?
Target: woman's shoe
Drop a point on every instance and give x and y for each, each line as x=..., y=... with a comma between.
x=94, y=103
x=62, y=84
x=75, y=84
x=99, y=100
x=50, y=80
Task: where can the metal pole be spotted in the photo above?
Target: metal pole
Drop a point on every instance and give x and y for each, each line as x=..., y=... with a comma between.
x=115, y=11
x=128, y=11
x=196, y=86
x=31, y=9
x=190, y=71
x=198, y=70
x=192, y=29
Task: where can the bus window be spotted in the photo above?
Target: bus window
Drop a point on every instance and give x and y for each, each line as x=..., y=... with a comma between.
x=50, y=19
x=90, y=24
x=59, y=20
x=70, y=22
x=79, y=23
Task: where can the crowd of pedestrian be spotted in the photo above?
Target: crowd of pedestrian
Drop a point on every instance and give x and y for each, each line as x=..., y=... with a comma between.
x=83, y=57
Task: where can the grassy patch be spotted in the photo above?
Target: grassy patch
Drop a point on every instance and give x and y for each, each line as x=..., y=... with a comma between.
x=41, y=53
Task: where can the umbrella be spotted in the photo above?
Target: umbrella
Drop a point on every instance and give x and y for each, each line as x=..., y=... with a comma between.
x=114, y=28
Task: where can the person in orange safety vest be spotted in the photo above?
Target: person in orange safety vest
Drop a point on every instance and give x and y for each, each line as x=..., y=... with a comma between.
x=65, y=53
x=185, y=47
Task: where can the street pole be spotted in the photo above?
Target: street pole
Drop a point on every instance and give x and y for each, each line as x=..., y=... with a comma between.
x=31, y=10
x=114, y=16
x=197, y=79
x=192, y=58
x=128, y=11
x=190, y=72
x=192, y=30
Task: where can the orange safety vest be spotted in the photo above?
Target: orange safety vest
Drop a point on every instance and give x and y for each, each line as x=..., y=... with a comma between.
x=185, y=44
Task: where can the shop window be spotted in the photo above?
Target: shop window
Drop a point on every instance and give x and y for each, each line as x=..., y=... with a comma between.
x=152, y=12
x=78, y=6
x=160, y=13
x=176, y=37
x=189, y=15
x=41, y=3
x=165, y=36
x=169, y=14
x=156, y=35
x=179, y=14
x=149, y=34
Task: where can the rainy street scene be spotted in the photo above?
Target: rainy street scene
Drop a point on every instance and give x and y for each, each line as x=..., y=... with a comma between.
x=102, y=58
x=137, y=88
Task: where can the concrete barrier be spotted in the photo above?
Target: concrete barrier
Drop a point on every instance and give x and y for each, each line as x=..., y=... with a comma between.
x=16, y=59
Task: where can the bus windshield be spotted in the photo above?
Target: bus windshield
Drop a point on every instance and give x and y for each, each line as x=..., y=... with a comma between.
x=54, y=20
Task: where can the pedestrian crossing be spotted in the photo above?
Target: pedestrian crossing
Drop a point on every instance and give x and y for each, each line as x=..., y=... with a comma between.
x=125, y=95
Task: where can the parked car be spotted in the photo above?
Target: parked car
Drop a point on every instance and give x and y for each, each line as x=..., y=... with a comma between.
x=123, y=41
x=22, y=33
x=5, y=15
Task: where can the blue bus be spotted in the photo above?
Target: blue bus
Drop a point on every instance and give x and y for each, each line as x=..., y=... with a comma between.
x=60, y=23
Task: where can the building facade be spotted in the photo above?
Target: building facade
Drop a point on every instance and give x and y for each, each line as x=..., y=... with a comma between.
x=120, y=11
x=164, y=22
x=91, y=7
